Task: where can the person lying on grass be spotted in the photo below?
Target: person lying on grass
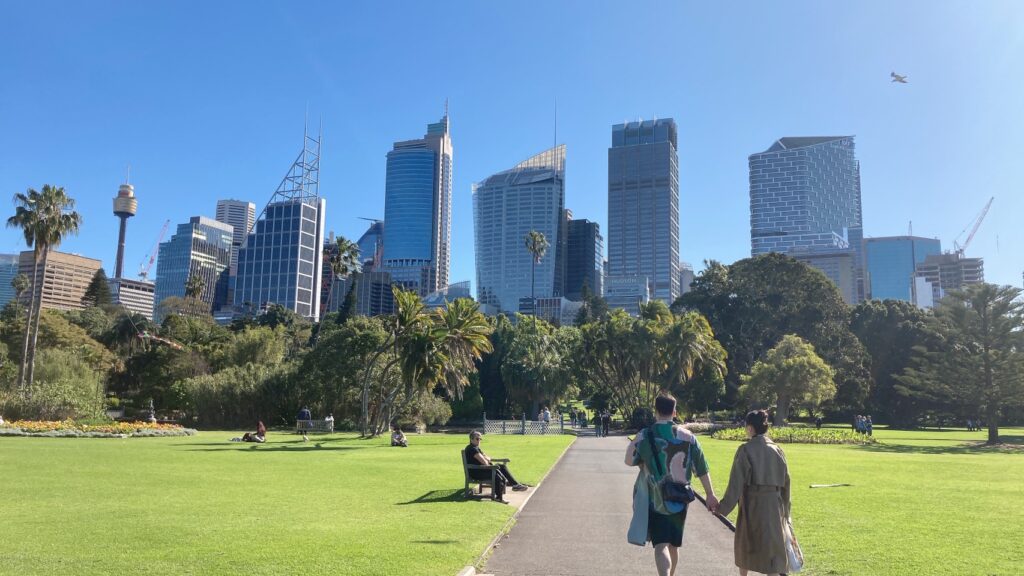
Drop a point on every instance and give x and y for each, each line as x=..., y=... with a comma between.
x=259, y=437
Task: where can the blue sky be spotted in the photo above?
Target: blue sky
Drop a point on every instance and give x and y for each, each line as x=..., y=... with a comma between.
x=206, y=100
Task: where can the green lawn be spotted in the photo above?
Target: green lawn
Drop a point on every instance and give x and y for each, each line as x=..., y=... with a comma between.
x=922, y=502
x=201, y=505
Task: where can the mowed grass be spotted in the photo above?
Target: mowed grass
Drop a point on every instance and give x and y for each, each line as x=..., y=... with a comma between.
x=336, y=505
x=922, y=503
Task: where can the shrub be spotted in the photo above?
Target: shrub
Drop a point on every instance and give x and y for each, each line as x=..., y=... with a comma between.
x=792, y=435
x=66, y=387
x=704, y=427
x=102, y=429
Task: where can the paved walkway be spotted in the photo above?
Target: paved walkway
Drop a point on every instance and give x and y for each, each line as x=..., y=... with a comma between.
x=576, y=522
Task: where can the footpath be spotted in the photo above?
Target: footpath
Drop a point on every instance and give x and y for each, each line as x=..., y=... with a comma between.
x=576, y=522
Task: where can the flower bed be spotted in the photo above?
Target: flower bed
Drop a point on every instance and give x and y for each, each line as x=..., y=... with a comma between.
x=704, y=427
x=795, y=435
x=72, y=429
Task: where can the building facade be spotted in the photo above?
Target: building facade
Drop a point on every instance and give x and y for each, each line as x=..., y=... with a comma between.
x=418, y=211
x=891, y=264
x=63, y=283
x=200, y=247
x=839, y=265
x=371, y=246
x=805, y=197
x=627, y=293
x=240, y=215
x=281, y=260
x=686, y=277
x=136, y=296
x=643, y=205
x=506, y=207
x=945, y=272
x=584, y=259
x=372, y=293
x=8, y=270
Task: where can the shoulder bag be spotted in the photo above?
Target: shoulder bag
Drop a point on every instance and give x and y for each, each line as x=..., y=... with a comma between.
x=672, y=491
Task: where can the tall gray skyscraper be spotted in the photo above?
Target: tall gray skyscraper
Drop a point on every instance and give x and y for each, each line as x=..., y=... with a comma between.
x=506, y=207
x=418, y=211
x=584, y=262
x=805, y=199
x=643, y=205
x=240, y=215
x=201, y=247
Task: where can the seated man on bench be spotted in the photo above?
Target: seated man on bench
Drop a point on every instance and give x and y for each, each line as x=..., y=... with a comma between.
x=502, y=476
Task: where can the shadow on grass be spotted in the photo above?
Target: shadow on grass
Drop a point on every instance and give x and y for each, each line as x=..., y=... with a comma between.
x=275, y=448
x=1009, y=444
x=437, y=496
x=433, y=541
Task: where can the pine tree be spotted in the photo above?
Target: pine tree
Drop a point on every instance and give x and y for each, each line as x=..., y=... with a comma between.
x=98, y=292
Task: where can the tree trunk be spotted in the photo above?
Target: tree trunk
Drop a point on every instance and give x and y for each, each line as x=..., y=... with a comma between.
x=781, y=411
x=992, y=417
x=35, y=327
x=22, y=382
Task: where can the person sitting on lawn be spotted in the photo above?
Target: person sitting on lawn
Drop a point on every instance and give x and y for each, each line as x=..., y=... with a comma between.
x=502, y=476
x=398, y=438
x=259, y=437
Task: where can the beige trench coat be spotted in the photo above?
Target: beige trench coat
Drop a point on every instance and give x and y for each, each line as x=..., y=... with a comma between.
x=759, y=483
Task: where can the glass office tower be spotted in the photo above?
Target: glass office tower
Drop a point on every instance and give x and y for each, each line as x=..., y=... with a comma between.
x=281, y=260
x=8, y=270
x=643, y=205
x=506, y=207
x=418, y=211
x=891, y=262
x=200, y=247
x=805, y=197
x=584, y=262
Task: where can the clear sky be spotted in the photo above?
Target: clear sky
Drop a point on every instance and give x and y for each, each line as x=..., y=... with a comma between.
x=206, y=100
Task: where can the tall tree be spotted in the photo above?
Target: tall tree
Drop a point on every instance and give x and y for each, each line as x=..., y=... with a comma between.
x=537, y=245
x=344, y=263
x=20, y=283
x=98, y=292
x=978, y=365
x=752, y=303
x=790, y=374
x=45, y=218
x=890, y=331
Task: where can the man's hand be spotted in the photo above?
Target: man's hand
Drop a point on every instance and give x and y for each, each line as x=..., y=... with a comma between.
x=712, y=503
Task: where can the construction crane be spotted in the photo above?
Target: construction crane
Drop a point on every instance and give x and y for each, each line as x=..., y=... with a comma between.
x=146, y=265
x=959, y=248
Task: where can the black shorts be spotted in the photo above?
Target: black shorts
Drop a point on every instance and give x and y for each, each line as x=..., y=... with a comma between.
x=666, y=529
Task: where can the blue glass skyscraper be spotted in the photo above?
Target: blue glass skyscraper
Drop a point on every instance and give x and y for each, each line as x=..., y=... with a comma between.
x=892, y=262
x=506, y=207
x=643, y=206
x=201, y=247
x=8, y=270
x=418, y=211
x=805, y=198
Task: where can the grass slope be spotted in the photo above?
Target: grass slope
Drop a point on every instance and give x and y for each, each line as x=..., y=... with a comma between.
x=922, y=502
x=336, y=505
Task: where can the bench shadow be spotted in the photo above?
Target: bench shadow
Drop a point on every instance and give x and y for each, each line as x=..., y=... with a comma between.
x=436, y=497
x=433, y=541
x=275, y=448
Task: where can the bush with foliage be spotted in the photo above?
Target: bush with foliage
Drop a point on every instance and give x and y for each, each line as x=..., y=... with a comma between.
x=82, y=429
x=66, y=386
x=799, y=435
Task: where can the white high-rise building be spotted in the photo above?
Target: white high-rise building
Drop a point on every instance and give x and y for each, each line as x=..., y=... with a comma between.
x=241, y=215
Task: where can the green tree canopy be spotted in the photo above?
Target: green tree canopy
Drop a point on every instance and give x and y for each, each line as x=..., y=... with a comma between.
x=790, y=374
x=976, y=367
x=98, y=292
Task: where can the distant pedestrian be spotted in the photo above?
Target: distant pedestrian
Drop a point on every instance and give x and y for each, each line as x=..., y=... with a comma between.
x=597, y=423
x=304, y=419
x=817, y=422
x=581, y=418
x=572, y=417
x=869, y=426
x=606, y=421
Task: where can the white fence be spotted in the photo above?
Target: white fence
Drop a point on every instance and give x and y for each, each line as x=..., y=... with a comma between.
x=523, y=426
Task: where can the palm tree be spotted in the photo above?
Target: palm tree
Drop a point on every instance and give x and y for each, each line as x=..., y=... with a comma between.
x=537, y=245
x=45, y=218
x=194, y=287
x=344, y=263
x=464, y=334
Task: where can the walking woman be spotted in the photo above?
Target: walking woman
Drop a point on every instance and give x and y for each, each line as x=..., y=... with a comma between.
x=759, y=483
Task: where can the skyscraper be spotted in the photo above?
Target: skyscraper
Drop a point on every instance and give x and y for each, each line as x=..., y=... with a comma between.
x=891, y=262
x=805, y=198
x=944, y=272
x=63, y=282
x=584, y=260
x=643, y=205
x=686, y=277
x=506, y=207
x=281, y=260
x=200, y=247
x=125, y=206
x=240, y=215
x=418, y=210
x=8, y=270
x=371, y=245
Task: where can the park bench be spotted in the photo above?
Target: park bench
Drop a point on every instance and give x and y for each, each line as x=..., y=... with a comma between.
x=314, y=426
x=480, y=482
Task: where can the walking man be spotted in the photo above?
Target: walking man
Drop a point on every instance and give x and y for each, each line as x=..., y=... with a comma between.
x=664, y=449
x=304, y=419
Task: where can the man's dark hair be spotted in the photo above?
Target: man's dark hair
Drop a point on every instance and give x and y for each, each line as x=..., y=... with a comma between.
x=665, y=404
x=758, y=419
x=475, y=434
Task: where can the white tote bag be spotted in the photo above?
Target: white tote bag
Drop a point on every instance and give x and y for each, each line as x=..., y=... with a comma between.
x=796, y=556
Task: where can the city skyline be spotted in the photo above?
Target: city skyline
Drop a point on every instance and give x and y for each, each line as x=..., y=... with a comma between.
x=169, y=130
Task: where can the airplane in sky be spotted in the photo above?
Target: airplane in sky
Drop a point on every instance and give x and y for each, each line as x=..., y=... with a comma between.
x=898, y=78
